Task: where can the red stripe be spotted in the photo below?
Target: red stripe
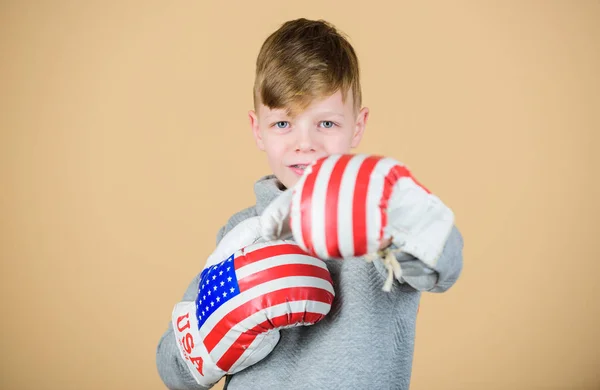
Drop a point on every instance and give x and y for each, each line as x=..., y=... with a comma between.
x=400, y=171
x=266, y=252
x=396, y=173
x=303, y=317
x=243, y=342
x=359, y=204
x=331, y=207
x=261, y=302
x=305, y=205
x=283, y=271
x=390, y=180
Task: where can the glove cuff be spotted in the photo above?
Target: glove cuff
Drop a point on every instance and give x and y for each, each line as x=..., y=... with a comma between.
x=191, y=347
x=418, y=222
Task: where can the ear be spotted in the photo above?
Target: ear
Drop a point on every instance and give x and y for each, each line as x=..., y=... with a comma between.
x=361, y=124
x=256, y=130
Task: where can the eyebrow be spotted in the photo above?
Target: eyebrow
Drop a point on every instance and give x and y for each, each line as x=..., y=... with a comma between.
x=282, y=114
x=331, y=113
x=274, y=115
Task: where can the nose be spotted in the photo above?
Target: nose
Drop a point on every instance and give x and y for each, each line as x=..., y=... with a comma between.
x=304, y=141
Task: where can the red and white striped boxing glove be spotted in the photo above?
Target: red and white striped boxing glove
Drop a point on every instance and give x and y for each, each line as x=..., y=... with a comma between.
x=244, y=299
x=351, y=205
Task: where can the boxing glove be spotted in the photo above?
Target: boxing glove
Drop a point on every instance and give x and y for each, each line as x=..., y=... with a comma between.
x=242, y=303
x=353, y=205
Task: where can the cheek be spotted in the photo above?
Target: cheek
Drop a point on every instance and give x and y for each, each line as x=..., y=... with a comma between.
x=275, y=149
x=339, y=143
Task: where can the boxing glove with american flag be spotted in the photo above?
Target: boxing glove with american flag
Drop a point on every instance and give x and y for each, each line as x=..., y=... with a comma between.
x=355, y=205
x=244, y=297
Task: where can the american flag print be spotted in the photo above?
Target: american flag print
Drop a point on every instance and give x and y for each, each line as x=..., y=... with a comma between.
x=259, y=288
x=339, y=206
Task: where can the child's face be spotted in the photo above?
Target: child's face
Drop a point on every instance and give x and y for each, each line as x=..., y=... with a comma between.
x=327, y=126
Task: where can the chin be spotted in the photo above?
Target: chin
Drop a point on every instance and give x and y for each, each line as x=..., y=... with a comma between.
x=288, y=183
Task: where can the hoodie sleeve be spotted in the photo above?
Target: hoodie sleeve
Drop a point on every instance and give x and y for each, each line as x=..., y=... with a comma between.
x=171, y=368
x=432, y=279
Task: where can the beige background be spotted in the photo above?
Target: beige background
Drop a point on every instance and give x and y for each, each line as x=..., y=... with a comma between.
x=118, y=165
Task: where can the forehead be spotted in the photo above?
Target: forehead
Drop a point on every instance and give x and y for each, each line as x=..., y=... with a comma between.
x=328, y=104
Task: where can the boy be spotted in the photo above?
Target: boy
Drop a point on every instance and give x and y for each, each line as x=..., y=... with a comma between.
x=307, y=100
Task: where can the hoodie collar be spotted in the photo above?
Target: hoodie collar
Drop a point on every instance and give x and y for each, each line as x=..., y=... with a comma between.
x=266, y=189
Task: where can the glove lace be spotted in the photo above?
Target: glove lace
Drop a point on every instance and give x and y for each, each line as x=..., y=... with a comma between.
x=387, y=255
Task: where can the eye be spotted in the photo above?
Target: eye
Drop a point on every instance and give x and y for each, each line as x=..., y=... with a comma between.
x=281, y=124
x=327, y=124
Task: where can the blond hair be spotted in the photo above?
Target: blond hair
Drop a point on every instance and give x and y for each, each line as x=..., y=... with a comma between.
x=302, y=61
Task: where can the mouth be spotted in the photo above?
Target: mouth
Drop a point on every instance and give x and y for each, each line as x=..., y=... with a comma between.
x=298, y=168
